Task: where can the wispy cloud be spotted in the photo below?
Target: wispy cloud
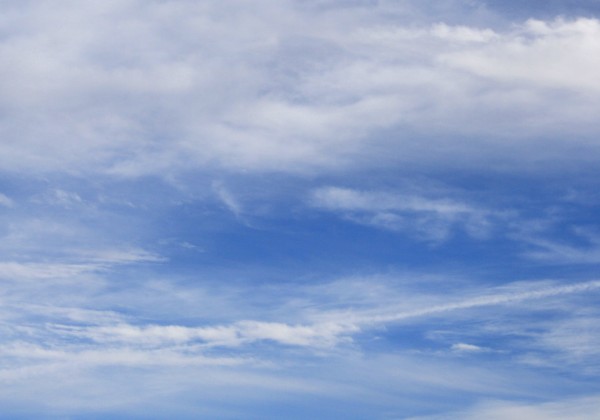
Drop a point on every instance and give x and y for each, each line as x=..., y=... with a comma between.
x=467, y=348
x=6, y=201
x=426, y=306
x=430, y=218
x=227, y=198
x=557, y=239
x=19, y=271
x=118, y=256
x=234, y=335
x=587, y=408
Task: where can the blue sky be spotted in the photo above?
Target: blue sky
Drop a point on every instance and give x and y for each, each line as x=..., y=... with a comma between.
x=299, y=209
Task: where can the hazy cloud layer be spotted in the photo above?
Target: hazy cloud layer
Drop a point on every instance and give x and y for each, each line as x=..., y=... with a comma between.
x=135, y=88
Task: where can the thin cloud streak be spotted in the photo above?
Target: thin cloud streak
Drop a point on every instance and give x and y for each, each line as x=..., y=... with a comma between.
x=321, y=334
x=490, y=300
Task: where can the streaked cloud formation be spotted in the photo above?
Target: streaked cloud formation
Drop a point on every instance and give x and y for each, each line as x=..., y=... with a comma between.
x=299, y=209
x=430, y=218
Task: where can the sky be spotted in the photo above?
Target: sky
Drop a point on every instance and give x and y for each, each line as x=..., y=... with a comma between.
x=324, y=209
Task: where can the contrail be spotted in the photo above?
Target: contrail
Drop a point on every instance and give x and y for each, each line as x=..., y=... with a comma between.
x=484, y=301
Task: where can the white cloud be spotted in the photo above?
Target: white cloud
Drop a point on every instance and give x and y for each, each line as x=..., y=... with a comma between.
x=227, y=198
x=571, y=342
x=85, y=262
x=463, y=33
x=581, y=244
x=117, y=256
x=556, y=252
x=125, y=356
x=336, y=198
x=559, y=54
x=18, y=271
x=329, y=321
x=403, y=306
x=327, y=329
x=467, y=348
x=283, y=87
x=431, y=219
x=587, y=408
x=492, y=300
x=234, y=335
x=60, y=198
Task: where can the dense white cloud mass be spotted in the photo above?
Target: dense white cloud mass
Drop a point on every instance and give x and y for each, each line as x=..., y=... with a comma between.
x=138, y=88
x=299, y=209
